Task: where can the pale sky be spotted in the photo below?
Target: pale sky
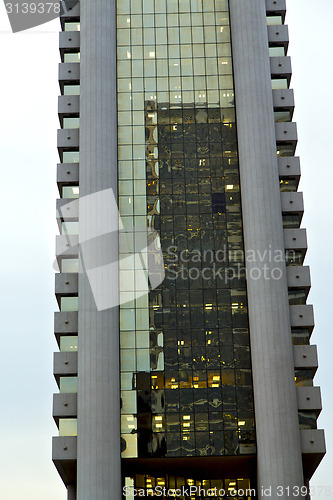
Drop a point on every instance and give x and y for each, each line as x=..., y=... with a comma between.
x=29, y=90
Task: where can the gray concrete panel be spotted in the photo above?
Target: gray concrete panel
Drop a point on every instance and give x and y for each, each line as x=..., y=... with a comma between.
x=69, y=40
x=278, y=35
x=306, y=356
x=295, y=239
x=64, y=448
x=309, y=399
x=69, y=72
x=67, y=173
x=289, y=167
x=283, y=98
x=98, y=463
x=279, y=461
x=292, y=202
x=72, y=11
x=65, y=363
x=64, y=406
x=66, y=284
x=67, y=245
x=281, y=67
x=313, y=441
x=286, y=132
x=67, y=209
x=299, y=277
x=276, y=7
x=302, y=316
x=65, y=322
x=68, y=104
x=67, y=138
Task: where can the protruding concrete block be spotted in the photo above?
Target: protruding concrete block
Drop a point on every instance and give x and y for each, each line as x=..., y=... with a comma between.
x=306, y=356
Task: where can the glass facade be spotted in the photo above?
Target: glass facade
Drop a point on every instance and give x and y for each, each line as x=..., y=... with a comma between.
x=185, y=359
x=238, y=489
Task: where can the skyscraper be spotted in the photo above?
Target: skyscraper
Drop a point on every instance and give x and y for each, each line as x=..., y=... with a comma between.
x=180, y=113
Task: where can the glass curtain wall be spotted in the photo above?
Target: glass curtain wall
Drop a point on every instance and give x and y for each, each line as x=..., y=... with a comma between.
x=185, y=358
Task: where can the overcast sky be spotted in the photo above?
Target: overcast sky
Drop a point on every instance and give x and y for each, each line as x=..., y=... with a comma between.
x=29, y=90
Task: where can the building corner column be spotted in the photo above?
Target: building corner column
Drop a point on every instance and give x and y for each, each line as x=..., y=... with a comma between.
x=98, y=456
x=279, y=458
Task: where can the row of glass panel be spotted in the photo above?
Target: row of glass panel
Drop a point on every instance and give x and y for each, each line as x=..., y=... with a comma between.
x=188, y=19
x=185, y=66
x=191, y=422
x=68, y=426
x=178, y=35
x=172, y=52
x=200, y=98
x=171, y=20
x=171, y=482
x=303, y=378
x=171, y=6
x=199, y=115
x=137, y=318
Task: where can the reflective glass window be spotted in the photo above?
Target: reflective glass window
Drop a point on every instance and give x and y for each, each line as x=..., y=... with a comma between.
x=69, y=265
x=68, y=385
x=72, y=26
x=69, y=122
x=68, y=343
x=71, y=157
x=67, y=426
x=70, y=191
x=69, y=304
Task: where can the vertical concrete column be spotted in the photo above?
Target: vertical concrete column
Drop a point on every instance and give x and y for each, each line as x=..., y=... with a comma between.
x=98, y=461
x=278, y=438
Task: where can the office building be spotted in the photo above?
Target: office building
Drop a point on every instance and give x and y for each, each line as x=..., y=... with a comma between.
x=182, y=110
